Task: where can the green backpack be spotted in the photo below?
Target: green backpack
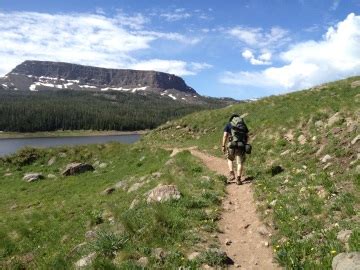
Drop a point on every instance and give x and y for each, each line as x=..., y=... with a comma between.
x=238, y=133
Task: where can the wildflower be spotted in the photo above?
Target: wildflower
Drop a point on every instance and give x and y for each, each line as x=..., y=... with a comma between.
x=333, y=251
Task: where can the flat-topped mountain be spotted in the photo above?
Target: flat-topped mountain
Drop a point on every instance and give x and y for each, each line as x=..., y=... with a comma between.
x=45, y=75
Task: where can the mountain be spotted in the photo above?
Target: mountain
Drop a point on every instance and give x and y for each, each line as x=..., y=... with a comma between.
x=45, y=75
x=47, y=96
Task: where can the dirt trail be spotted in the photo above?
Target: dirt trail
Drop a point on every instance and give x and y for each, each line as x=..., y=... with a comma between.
x=240, y=223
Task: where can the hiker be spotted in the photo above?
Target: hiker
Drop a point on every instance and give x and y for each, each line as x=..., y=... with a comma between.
x=233, y=145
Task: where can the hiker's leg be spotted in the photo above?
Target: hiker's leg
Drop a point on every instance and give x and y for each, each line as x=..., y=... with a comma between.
x=239, y=166
x=230, y=165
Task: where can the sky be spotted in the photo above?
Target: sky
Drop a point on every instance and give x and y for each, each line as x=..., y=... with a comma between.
x=242, y=49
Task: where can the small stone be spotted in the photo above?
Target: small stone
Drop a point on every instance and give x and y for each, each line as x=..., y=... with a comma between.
x=356, y=139
x=344, y=235
x=90, y=235
x=326, y=158
x=228, y=242
x=156, y=174
x=85, y=261
x=51, y=161
x=193, y=256
x=262, y=230
x=159, y=254
x=247, y=226
x=143, y=262
x=108, y=191
x=32, y=177
x=319, y=124
x=285, y=152
x=301, y=139
x=266, y=244
x=134, y=203
x=102, y=165
x=327, y=166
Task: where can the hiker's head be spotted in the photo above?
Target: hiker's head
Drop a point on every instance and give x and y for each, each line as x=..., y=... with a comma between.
x=232, y=116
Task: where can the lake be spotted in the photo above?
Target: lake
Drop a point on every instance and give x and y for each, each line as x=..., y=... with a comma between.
x=10, y=146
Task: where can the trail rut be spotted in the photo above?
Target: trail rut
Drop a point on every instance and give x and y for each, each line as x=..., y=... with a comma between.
x=240, y=223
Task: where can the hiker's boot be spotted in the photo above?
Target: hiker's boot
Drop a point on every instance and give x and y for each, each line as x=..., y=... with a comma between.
x=238, y=180
x=231, y=176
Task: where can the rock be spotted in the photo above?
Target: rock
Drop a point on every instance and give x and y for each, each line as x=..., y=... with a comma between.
x=327, y=166
x=163, y=193
x=273, y=203
x=355, y=84
x=178, y=127
x=262, y=230
x=143, y=262
x=344, y=235
x=326, y=158
x=159, y=254
x=321, y=192
x=285, y=152
x=62, y=155
x=301, y=139
x=156, y=174
x=85, y=261
x=52, y=176
x=121, y=185
x=289, y=136
x=51, y=161
x=75, y=168
x=108, y=191
x=193, y=256
x=7, y=174
x=319, y=152
x=228, y=242
x=334, y=119
x=319, y=124
x=32, y=177
x=355, y=140
x=90, y=235
x=346, y=261
x=135, y=187
x=266, y=244
x=134, y=203
x=103, y=165
x=276, y=170
x=225, y=259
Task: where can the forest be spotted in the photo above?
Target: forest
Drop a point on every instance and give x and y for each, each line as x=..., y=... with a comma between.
x=25, y=111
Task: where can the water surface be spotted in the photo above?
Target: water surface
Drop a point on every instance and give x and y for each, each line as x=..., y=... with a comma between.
x=10, y=146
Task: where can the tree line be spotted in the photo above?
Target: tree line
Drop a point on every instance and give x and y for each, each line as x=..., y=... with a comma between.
x=25, y=111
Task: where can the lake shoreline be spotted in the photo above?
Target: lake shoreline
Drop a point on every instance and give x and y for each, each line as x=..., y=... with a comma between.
x=67, y=133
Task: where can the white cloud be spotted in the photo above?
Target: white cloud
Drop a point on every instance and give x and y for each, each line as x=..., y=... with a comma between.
x=176, y=67
x=335, y=5
x=179, y=14
x=83, y=38
x=258, y=38
x=309, y=63
x=263, y=59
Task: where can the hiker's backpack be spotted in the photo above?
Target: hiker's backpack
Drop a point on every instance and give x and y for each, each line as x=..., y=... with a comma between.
x=238, y=132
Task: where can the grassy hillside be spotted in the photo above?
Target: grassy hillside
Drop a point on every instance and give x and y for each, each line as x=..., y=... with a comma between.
x=314, y=197
x=52, y=223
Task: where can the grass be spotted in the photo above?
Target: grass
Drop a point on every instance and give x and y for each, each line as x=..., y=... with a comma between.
x=305, y=201
x=305, y=204
x=41, y=223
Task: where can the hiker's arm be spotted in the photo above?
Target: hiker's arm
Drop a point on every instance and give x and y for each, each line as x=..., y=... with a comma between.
x=224, y=139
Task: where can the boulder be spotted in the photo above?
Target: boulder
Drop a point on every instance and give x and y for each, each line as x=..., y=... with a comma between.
x=76, y=168
x=163, y=193
x=355, y=84
x=32, y=177
x=346, y=261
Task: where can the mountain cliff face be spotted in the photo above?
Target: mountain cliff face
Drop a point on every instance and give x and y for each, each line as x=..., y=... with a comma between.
x=44, y=75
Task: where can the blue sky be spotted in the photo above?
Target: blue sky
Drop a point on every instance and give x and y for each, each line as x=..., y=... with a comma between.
x=241, y=49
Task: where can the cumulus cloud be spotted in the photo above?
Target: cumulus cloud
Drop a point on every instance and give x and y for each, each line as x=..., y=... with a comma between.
x=91, y=39
x=263, y=59
x=258, y=38
x=335, y=56
x=177, y=67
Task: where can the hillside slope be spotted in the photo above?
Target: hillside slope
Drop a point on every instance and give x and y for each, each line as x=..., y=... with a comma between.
x=313, y=135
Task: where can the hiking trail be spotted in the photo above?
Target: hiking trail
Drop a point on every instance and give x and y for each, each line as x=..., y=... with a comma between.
x=239, y=222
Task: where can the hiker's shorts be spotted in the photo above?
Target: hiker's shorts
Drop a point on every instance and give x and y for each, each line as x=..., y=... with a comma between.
x=231, y=153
